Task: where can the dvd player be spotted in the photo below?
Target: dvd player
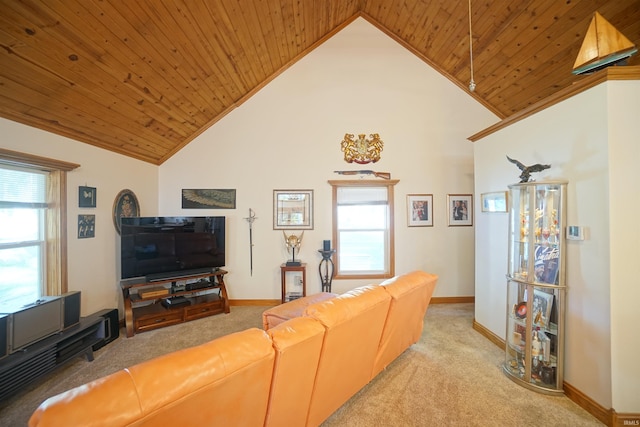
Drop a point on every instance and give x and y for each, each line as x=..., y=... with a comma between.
x=201, y=284
x=175, y=302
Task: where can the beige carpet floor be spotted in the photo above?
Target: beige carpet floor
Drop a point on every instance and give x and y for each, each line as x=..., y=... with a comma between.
x=451, y=377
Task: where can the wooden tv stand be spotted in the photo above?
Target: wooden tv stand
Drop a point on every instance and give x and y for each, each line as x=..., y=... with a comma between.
x=144, y=309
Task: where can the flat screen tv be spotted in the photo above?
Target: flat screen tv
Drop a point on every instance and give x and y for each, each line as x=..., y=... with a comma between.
x=167, y=247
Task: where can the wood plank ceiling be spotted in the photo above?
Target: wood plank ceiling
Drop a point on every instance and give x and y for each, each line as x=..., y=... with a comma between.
x=143, y=78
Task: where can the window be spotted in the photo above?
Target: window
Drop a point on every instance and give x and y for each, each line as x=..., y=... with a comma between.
x=32, y=227
x=363, y=228
x=22, y=235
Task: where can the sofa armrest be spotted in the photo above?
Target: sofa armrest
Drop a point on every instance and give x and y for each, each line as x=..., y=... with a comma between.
x=292, y=309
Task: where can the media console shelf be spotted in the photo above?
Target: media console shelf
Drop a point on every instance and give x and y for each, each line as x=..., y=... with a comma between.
x=147, y=305
x=21, y=368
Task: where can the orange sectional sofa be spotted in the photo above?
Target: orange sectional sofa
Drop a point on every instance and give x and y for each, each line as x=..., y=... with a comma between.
x=315, y=354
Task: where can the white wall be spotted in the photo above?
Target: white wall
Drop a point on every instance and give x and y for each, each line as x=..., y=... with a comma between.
x=624, y=178
x=577, y=137
x=93, y=262
x=288, y=137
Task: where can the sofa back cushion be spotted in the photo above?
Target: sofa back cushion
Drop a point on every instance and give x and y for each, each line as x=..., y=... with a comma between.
x=410, y=297
x=223, y=382
x=353, y=325
x=98, y=403
x=297, y=343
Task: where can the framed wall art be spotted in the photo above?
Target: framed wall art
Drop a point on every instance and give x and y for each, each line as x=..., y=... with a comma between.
x=293, y=209
x=542, y=305
x=420, y=210
x=86, y=226
x=460, y=208
x=126, y=204
x=87, y=197
x=208, y=199
x=494, y=202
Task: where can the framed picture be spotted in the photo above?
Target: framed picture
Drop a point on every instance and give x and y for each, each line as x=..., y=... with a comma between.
x=546, y=264
x=293, y=209
x=126, y=204
x=86, y=197
x=86, y=226
x=494, y=202
x=542, y=306
x=460, y=207
x=208, y=199
x=420, y=210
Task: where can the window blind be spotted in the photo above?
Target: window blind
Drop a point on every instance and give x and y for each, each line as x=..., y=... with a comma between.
x=361, y=195
x=22, y=189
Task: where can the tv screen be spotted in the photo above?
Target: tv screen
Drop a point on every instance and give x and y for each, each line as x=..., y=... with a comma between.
x=171, y=246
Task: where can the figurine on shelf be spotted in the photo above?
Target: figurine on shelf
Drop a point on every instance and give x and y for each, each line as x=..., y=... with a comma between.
x=292, y=243
x=525, y=176
x=553, y=228
x=524, y=226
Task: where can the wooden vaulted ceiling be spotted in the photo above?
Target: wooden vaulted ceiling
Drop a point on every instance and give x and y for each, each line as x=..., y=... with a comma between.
x=145, y=77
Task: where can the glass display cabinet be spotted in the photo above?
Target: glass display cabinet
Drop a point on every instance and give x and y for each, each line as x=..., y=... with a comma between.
x=536, y=286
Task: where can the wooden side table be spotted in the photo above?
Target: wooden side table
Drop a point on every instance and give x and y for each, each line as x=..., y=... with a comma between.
x=284, y=269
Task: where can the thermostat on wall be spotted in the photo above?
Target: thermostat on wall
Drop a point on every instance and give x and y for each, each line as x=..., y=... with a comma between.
x=575, y=232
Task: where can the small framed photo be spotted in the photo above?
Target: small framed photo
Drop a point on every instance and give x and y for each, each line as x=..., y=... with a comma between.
x=494, y=202
x=542, y=306
x=86, y=226
x=420, y=210
x=460, y=207
x=293, y=209
x=87, y=197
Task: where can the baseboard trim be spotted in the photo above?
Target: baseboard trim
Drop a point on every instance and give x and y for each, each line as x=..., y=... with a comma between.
x=628, y=419
x=452, y=300
x=254, y=302
x=488, y=334
x=588, y=404
x=607, y=416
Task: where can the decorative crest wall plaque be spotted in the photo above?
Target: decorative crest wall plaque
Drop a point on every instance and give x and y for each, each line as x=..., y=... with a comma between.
x=126, y=204
x=361, y=150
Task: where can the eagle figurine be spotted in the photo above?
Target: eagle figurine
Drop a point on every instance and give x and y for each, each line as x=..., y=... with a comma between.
x=527, y=170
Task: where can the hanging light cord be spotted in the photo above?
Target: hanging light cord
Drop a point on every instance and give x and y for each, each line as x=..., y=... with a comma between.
x=472, y=84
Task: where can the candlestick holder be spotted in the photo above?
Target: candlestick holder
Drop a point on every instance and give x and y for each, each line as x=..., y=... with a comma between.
x=325, y=266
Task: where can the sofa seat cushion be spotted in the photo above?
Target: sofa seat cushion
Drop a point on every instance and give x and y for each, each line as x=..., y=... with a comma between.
x=289, y=310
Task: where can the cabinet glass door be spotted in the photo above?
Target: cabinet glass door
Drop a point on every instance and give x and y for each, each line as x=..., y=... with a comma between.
x=536, y=286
